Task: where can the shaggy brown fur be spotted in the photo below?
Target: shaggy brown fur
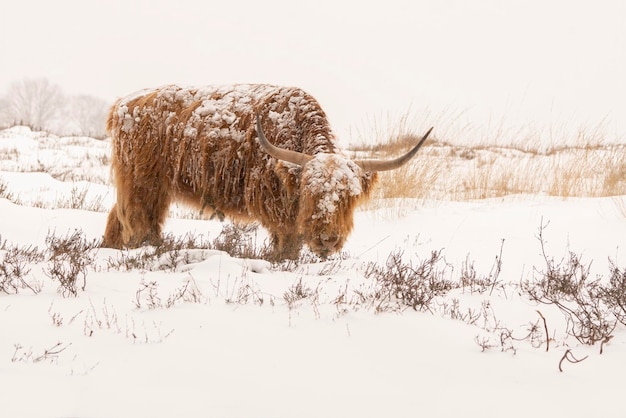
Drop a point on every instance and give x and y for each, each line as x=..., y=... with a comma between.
x=199, y=146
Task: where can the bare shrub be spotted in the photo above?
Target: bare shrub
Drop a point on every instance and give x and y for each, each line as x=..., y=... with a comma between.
x=165, y=256
x=70, y=258
x=148, y=295
x=28, y=356
x=244, y=292
x=300, y=291
x=15, y=268
x=566, y=285
x=236, y=240
x=239, y=240
x=78, y=200
x=400, y=284
x=5, y=193
x=614, y=293
x=189, y=292
x=476, y=283
x=452, y=309
x=4, y=189
x=132, y=260
x=484, y=343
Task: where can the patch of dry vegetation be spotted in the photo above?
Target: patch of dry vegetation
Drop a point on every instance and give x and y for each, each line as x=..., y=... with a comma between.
x=591, y=164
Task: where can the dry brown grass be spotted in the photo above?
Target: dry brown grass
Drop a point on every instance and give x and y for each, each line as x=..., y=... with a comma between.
x=591, y=163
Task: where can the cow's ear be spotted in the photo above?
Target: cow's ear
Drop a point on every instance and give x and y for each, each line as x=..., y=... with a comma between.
x=289, y=175
x=367, y=182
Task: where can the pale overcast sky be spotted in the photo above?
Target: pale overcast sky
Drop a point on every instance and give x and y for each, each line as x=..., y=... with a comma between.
x=529, y=61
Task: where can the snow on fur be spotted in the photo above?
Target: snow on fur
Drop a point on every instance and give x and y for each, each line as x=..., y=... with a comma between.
x=199, y=146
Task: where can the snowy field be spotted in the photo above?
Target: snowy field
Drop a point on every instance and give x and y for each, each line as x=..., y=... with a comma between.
x=196, y=332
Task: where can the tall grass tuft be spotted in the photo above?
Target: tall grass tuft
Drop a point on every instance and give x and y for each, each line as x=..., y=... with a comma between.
x=467, y=165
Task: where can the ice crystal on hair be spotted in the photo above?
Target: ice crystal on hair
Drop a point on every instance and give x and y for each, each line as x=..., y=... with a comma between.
x=200, y=146
x=330, y=175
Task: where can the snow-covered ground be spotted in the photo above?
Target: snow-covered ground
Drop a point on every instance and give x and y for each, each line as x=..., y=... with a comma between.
x=200, y=333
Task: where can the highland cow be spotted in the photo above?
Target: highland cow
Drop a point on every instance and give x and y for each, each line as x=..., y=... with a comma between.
x=207, y=147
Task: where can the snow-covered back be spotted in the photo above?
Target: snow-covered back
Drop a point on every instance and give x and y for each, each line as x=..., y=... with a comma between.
x=219, y=105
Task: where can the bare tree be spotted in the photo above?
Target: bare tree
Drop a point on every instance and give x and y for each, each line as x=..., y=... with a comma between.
x=5, y=119
x=33, y=102
x=87, y=114
x=41, y=105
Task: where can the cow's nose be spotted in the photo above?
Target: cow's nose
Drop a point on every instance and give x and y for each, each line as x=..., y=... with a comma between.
x=330, y=241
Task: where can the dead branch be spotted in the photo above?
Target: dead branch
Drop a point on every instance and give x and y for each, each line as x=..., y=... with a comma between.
x=545, y=326
x=605, y=341
x=569, y=357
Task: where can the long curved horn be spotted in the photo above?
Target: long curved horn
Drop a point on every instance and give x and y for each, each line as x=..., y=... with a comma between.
x=280, y=153
x=385, y=165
